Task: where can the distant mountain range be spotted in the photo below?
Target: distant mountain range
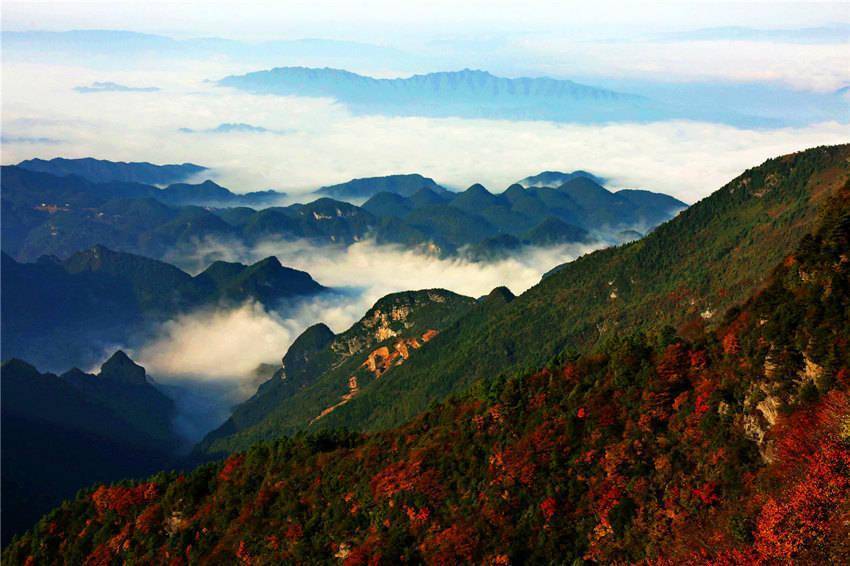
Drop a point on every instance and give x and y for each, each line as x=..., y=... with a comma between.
x=108, y=86
x=102, y=171
x=65, y=432
x=65, y=312
x=45, y=214
x=100, y=181
x=467, y=93
x=479, y=94
x=93, y=46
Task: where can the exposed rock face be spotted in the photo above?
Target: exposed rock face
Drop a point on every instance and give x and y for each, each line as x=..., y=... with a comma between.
x=769, y=409
x=389, y=318
x=378, y=362
x=811, y=371
x=381, y=359
x=760, y=414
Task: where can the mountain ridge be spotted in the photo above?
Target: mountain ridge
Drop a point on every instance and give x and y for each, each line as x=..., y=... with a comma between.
x=739, y=233
x=701, y=445
x=65, y=311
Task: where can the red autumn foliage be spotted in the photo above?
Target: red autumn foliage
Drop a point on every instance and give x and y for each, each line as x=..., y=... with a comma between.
x=454, y=545
x=294, y=532
x=407, y=476
x=548, y=507
x=121, y=499
x=731, y=344
x=417, y=517
x=231, y=466
x=148, y=519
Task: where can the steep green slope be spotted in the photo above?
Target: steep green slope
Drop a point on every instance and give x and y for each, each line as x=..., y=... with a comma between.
x=731, y=447
x=322, y=372
x=709, y=257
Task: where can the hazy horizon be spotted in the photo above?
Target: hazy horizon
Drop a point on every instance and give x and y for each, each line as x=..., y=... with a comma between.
x=119, y=99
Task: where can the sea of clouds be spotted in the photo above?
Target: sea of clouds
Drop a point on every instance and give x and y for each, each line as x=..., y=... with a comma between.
x=208, y=357
x=314, y=141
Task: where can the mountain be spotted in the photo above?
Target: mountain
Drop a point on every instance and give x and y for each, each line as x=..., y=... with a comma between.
x=404, y=185
x=103, y=171
x=92, y=182
x=48, y=215
x=466, y=93
x=708, y=258
x=209, y=193
x=62, y=433
x=550, y=232
x=489, y=223
x=321, y=371
x=683, y=275
x=389, y=205
x=652, y=208
x=65, y=312
x=556, y=179
x=720, y=443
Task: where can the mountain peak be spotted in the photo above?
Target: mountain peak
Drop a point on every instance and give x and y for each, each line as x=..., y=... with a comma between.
x=557, y=178
x=499, y=295
x=478, y=188
x=271, y=261
x=17, y=366
x=122, y=369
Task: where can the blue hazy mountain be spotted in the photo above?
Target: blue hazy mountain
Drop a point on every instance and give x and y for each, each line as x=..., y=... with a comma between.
x=836, y=33
x=96, y=47
x=66, y=311
x=65, y=432
x=92, y=182
x=404, y=185
x=228, y=128
x=107, y=86
x=103, y=171
x=556, y=179
x=467, y=93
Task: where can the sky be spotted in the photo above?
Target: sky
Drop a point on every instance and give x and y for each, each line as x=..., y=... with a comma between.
x=379, y=21
x=312, y=142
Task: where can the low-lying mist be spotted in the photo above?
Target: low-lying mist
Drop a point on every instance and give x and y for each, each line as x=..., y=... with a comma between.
x=207, y=359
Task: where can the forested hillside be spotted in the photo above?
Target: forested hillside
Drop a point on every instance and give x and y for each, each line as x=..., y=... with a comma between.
x=684, y=275
x=727, y=444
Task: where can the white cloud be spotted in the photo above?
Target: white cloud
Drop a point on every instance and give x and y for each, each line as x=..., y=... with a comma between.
x=218, y=345
x=226, y=345
x=818, y=67
x=686, y=159
x=210, y=355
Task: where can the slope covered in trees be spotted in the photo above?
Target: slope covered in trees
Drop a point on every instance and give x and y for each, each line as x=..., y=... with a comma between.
x=322, y=372
x=685, y=274
x=723, y=445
